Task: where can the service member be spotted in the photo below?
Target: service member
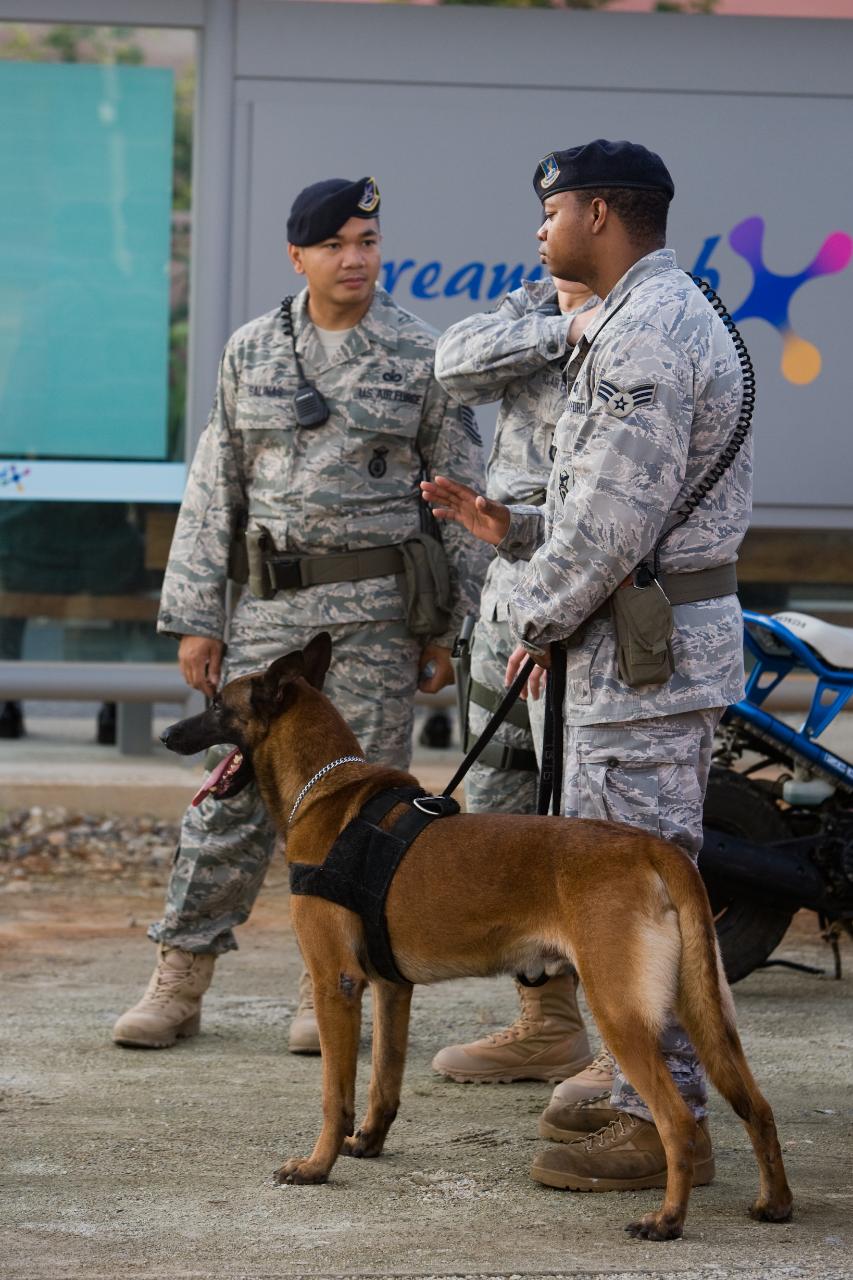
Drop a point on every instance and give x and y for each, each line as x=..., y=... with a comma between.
x=344, y=481
x=655, y=395
x=515, y=353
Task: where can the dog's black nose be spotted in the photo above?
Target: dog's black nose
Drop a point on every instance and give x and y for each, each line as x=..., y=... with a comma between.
x=166, y=734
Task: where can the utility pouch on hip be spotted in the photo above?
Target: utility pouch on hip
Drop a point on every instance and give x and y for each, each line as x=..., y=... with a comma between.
x=259, y=546
x=642, y=618
x=427, y=585
x=238, y=561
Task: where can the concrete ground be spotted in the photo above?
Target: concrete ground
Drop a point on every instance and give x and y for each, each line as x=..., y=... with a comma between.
x=157, y=1164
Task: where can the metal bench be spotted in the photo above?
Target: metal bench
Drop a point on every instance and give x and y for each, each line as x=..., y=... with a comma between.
x=133, y=686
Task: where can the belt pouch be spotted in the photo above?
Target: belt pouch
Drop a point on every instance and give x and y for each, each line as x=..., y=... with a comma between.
x=259, y=546
x=426, y=585
x=642, y=618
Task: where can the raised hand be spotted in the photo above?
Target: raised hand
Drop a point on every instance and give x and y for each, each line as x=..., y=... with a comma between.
x=487, y=520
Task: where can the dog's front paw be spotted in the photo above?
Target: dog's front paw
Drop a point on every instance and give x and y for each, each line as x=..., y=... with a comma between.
x=363, y=1145
x=299, y=1173
x=656, y=1226
x=767, y=1211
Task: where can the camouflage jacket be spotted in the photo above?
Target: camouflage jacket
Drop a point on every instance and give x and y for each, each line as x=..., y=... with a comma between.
x=650, y=410
x=349, y=484
x=514, y=354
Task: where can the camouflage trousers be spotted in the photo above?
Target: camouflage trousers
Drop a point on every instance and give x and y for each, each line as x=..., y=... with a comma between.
x=651, y=774
x=226, y=846
x=488, y=788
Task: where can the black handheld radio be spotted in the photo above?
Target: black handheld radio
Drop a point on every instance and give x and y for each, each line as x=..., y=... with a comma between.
x=308, y=404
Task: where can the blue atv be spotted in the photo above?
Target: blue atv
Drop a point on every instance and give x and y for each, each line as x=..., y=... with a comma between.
x=779, y=806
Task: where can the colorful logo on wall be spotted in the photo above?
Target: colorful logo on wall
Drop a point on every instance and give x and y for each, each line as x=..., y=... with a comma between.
x=768, y=299
x=771, y=294
x=13, y=475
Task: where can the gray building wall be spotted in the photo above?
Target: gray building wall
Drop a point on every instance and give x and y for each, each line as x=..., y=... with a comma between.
x=451, y=109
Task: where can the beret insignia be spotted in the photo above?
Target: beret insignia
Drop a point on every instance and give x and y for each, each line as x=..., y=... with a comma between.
x=550, y=171
x=370, y=196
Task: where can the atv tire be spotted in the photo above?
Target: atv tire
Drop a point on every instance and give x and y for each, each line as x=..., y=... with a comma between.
x=748, y=929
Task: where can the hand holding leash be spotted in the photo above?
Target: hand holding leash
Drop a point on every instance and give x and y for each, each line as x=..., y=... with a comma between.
x=200, y=660
x=535, y=686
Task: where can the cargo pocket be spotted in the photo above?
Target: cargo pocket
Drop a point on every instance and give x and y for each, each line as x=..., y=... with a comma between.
x=644, y=776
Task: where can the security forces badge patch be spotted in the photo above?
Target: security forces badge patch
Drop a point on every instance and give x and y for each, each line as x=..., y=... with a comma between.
x=622, y=402
x=550, y=171
x=377, y=466
x=369, y=197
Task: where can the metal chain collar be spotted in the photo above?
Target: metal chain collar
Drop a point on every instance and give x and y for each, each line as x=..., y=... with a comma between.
x=321, y=773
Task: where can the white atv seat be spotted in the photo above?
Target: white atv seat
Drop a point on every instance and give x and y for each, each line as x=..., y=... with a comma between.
x=833, y=644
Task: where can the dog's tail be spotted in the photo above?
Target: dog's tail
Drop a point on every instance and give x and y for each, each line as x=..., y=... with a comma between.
x=705, y=1008
x=704, y=1001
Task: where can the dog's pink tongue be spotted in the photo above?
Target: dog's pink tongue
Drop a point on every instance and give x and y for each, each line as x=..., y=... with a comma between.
x=213, y=778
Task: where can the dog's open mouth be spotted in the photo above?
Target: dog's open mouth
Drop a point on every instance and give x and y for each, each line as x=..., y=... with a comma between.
x=229, y=777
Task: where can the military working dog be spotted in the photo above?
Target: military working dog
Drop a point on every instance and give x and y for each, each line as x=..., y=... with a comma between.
x=480, y=894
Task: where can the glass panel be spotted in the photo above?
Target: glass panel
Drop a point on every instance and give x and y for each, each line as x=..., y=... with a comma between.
x=95, y=225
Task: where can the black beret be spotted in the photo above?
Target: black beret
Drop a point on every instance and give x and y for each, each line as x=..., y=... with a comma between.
x=602, y=164
x=323, y=208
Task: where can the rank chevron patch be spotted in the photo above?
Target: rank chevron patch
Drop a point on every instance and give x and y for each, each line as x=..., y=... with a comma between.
x=622, y=402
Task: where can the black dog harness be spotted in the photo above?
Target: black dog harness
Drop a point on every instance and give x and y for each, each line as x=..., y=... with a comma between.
x=360, y=866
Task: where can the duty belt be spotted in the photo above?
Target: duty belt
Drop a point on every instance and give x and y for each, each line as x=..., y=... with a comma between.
x=703, y=584
x=687, y=588
x=288, y=573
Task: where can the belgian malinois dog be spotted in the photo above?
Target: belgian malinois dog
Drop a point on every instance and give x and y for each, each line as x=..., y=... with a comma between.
x=481, y=894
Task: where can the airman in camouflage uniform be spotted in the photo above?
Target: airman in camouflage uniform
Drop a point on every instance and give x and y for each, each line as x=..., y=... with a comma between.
x=348, y=484
x=518, y=353
x=655, y=394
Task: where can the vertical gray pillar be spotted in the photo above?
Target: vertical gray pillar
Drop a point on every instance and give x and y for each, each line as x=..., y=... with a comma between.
x=134, y=728
x=211, y=204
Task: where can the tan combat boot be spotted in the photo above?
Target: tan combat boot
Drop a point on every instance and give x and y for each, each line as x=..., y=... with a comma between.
x=581, y=1104
x=626, y=1155
x=171, y=1007
x=304, y=1032
x=547, y=1042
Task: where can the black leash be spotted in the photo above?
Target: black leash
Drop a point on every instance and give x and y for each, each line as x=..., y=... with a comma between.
x=492, y=727
x=551, y=774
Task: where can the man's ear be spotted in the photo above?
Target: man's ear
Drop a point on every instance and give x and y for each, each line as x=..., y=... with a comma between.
x=294, y=252
x=269, y=691
x=317, y=655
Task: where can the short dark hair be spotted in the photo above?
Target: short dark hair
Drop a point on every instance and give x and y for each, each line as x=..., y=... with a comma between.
x=642, y=213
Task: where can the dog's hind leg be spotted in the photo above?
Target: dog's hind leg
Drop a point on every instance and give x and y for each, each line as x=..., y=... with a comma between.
x=338, y=1004
x=713, y=1030
x=643, y=1064
x=706, y=1010
x=391, y=1005
x=633, y=1039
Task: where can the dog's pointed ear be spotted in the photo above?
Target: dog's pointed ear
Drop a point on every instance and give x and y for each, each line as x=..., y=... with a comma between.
x=270, y=690
x=317, y=655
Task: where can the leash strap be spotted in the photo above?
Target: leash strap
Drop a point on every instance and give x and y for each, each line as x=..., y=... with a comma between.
x=551, y=776
x=509, y=698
